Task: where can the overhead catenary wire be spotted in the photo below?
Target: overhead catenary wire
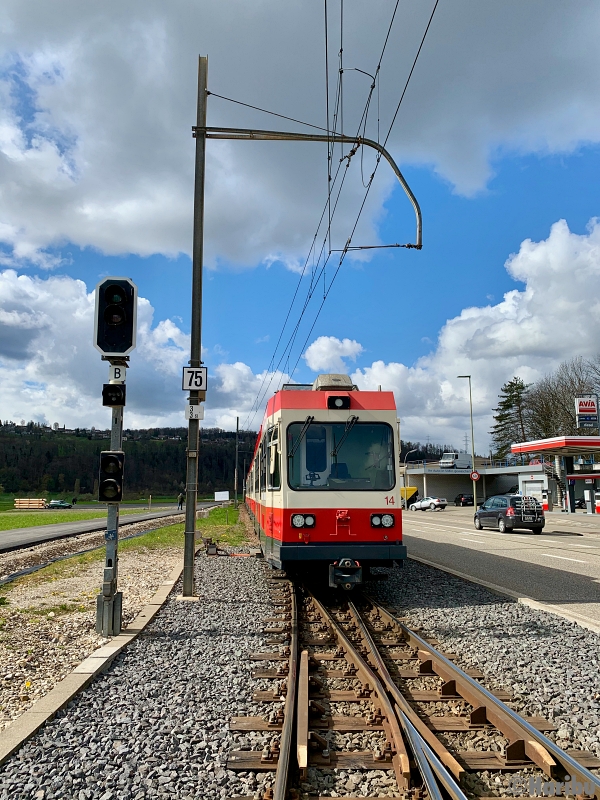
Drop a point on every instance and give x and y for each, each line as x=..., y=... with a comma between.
x=370, y=183
x=331, y=213
x=263, y=390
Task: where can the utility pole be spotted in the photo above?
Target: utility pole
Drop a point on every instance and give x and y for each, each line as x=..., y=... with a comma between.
x=235, y=476
x=472, y=440
x=196, y=334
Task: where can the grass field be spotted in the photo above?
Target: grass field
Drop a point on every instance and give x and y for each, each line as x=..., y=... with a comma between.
x=30, y=519
x=222, y=525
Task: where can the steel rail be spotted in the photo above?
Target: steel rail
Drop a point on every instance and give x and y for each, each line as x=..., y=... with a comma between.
x=572, y=767
x=250, y=134
x=364, y=670
x=287, y=732
x=422, y=751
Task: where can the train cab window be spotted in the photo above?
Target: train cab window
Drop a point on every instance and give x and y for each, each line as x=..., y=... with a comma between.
x=274, y=459
x=316, y=449
x=341, y=456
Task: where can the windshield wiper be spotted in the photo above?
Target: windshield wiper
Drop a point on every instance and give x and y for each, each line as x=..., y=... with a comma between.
x=305, y=427
x=350, y=423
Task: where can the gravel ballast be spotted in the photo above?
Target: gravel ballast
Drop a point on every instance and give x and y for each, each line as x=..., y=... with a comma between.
x=156, y=724
x=550, y=665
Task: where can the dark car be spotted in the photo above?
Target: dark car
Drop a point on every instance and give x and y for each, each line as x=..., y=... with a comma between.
x=58, y=504
x=509, y=512
x=463, y=500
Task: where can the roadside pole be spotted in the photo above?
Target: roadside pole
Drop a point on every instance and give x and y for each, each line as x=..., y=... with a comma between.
x=237, y=450
x=195, y=396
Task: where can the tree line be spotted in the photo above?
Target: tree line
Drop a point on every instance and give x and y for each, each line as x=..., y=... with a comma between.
x=546, y=408
x=35, y=460
x=45, y=462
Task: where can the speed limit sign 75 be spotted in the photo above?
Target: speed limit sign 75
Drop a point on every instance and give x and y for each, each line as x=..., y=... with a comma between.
x=474, y=475
x=194, y=379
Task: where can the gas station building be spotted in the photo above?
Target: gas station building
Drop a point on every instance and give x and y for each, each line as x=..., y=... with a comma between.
x=574, y=464
x=559, y=472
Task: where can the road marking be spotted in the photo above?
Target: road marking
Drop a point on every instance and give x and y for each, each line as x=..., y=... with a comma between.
x=564, y=558
x=584, y=545
x=471, y=540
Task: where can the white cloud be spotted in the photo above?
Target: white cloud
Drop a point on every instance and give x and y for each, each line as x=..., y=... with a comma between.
x=96, y=104
x=555, y=317
x=326, y=354
x=50, y=372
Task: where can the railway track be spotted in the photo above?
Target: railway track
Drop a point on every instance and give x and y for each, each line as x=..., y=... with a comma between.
x=349, y=672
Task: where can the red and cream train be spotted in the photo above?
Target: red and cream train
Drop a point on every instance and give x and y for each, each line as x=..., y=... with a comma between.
x=322, y=486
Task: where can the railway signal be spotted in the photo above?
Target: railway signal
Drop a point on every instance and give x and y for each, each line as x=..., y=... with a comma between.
x=116, y=316
x=110, y=482
x=114, y=336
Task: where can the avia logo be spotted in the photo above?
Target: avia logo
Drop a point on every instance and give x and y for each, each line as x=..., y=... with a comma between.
x=587, y=406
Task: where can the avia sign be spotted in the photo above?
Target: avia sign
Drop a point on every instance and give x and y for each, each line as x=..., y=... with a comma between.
x=586, y=405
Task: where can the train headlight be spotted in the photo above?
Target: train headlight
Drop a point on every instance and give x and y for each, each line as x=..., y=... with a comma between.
x=376, y=520
x=309, y=520
x=298, y=520
x=387, y=520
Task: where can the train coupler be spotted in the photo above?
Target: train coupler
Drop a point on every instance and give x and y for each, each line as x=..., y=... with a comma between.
x=346, y=573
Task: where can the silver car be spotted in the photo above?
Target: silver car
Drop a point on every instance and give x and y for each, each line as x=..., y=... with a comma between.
x=429, y=503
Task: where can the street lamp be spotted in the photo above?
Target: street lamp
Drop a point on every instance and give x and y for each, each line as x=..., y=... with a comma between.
x=472, y=440
x=405, y=457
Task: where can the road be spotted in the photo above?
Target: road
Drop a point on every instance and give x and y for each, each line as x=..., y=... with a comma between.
x=23, y=537
x=559, y=568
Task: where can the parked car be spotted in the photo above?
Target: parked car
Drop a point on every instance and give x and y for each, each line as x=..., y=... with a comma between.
x=431, y=503
x=464, y=500
x=58, y=504
x=509, y=512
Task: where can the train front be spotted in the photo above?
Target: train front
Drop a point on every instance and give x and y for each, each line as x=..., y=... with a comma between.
x=338, y=502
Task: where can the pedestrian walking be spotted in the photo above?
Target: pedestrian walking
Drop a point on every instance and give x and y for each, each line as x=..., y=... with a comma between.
x=180, y=500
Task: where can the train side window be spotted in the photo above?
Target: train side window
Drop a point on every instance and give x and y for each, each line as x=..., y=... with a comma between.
x=274, y=459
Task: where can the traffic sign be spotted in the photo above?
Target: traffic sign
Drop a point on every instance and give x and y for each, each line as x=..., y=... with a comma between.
x=195, y=379
x=474, y=475
x=194, y=411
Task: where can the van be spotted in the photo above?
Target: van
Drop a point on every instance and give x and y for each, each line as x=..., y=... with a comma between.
x=455, y=461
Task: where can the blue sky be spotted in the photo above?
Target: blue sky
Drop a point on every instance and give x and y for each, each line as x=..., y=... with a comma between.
x=498, y=136
x=396, y=303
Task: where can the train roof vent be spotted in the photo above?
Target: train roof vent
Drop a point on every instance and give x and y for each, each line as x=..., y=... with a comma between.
x=329, y=383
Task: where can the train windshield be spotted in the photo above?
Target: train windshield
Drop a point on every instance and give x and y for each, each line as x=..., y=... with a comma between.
x=340, y=456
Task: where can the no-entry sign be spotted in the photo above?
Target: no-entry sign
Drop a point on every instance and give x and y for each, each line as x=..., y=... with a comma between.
x=474, y=475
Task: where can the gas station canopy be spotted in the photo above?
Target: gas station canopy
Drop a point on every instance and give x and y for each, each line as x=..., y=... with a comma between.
x=559, y=446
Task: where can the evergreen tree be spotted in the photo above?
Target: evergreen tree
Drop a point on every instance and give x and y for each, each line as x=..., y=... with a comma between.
x=509, y=416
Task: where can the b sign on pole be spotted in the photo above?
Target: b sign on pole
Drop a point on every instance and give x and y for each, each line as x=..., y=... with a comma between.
x=474, y=475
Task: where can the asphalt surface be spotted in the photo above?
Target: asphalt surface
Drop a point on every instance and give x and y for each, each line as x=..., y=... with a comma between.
x=24, y=537
x=559, y=568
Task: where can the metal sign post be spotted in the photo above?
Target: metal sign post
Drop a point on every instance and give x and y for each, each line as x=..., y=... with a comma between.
x=109, y=604
x=115, y=336
x=196, y=394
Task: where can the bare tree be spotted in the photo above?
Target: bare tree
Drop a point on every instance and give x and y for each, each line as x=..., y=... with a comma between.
x=551, y=401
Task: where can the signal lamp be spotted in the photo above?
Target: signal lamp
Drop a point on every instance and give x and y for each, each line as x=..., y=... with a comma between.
x=116, y=316
x=113, y=394
x=110, y=483
x=388, y=520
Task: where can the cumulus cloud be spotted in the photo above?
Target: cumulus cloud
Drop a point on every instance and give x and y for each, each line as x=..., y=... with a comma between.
x=97, y=100
x=326, y=353
x=50, y=371
x=555, y=317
